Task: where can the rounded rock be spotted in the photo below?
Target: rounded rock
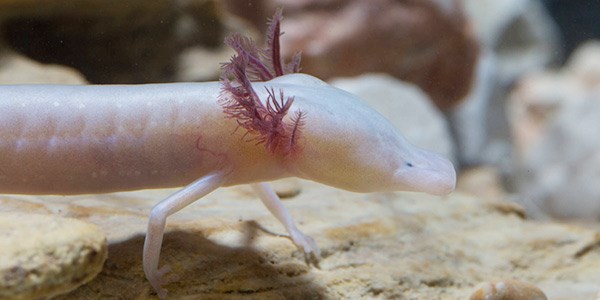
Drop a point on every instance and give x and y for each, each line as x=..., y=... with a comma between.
x=507, y=290
x=42, y=256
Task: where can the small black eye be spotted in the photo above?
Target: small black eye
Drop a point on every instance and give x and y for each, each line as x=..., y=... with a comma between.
x=409, y=164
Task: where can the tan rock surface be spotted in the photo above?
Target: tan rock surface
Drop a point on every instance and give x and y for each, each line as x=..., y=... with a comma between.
x=44, y=255
x=17, y=69
x=377, y=246
x=508, y=290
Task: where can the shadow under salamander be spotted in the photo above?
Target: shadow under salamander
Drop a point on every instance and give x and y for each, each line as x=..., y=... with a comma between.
x=202, y=269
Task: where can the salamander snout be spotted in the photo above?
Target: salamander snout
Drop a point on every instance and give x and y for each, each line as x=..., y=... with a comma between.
x=426, y=172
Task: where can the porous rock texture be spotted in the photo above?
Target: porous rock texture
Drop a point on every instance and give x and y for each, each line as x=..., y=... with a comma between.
x=42, y=255
x=381, y=246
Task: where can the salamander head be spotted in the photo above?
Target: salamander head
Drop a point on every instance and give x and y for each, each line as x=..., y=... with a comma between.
x=426, y=172
x=324, y=133
x=347, y=144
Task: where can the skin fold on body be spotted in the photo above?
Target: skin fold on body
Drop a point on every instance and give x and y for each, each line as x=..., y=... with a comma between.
x=263, y=121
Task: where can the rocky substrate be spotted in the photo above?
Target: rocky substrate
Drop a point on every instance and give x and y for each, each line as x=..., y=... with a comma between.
x=473, y=243
x=44, y=255
x=382, y=246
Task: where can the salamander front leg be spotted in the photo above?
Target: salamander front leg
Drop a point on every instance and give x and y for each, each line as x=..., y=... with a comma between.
x=158, y=218
x=304, y=242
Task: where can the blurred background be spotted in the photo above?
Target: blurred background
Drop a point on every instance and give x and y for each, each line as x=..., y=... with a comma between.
x=509, y=90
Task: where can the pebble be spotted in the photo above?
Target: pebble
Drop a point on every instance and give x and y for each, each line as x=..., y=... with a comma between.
x=508, y=290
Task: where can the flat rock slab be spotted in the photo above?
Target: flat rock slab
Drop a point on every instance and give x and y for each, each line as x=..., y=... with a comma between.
x=43, y=255
x=374, y=246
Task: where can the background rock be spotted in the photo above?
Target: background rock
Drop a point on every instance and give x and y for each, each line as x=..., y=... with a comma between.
x=508, y=290
x=428, y=43
x=555, y=123
x=517, y=37
x=484, y=183
x=520, y=33
x=15, y=69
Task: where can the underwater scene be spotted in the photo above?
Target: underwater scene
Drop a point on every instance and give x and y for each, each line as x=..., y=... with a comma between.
x=300, y=149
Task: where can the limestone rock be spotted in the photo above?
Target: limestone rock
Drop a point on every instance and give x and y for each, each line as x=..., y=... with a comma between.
x=483, y=182
x=554, y=116
x=382, y=245
x=584, y=65
x=407, y=107
x=198, y=63
x=508, y=290
x=428, y=43
x=517, y=37
x=520, y=33
x=42, y=256
x=16, y=69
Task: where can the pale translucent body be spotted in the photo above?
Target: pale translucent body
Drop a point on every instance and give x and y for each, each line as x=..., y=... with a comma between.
x=59, y=139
